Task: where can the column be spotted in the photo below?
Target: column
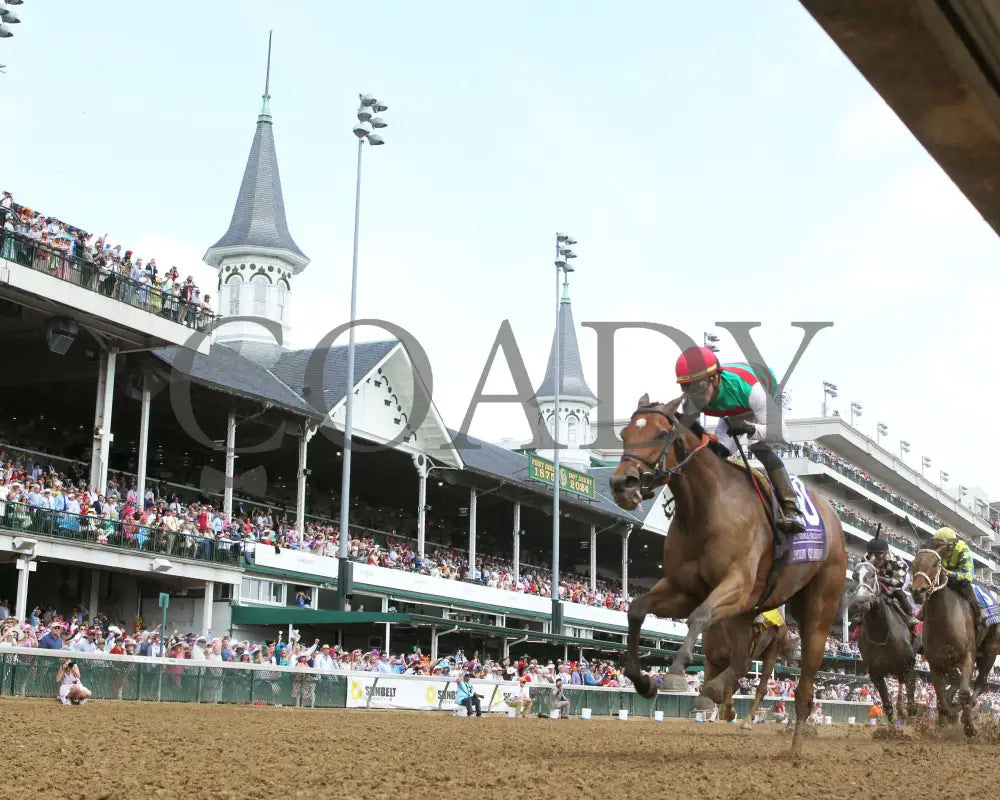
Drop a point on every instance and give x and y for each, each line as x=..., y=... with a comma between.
x=593, y=558
x=845, y=624
x=434, y=644
x=625, y=535
x=24, y=566
x=420, y=462
x=385, y=610
x=140, y=482
x=472, y=533
x=227, y=498
x=517, y=542
x=102, y=418
x=306, y=433
x=206, y=610
x=95, y=592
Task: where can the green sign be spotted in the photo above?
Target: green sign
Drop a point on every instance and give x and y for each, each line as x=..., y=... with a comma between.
x=539, y=469
x=164, y=600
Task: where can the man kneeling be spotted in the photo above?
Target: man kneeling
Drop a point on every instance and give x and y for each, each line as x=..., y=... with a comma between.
x=523, y=700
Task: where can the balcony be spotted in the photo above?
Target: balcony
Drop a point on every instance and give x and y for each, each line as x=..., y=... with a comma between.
x=51, y=281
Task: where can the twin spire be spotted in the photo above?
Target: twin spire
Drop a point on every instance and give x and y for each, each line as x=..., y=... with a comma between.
x=259, y=216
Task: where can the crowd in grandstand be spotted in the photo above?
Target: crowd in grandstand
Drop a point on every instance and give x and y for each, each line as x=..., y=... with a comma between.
x=69, y=253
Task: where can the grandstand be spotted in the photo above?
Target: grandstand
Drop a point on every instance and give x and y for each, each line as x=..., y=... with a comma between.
x=149, y=449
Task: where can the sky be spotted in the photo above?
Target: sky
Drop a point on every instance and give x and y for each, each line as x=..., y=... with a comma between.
x=715, y=161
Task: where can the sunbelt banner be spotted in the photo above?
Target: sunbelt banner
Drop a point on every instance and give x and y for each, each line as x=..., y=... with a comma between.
x=387, y=691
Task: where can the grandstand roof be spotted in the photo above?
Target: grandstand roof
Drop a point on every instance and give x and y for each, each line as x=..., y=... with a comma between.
x=259, y=216
x=498, y=462
x=572, y=383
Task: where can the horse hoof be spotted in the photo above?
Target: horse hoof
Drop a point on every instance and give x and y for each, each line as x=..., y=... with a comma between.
x=746, y=726
x=702, y=703
x=970, y=730
x=674, y=683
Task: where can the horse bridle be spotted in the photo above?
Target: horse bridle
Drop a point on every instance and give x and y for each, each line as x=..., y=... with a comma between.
x=935, y=583
x=658, y=472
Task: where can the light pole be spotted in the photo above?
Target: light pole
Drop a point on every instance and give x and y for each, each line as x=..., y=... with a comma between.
x=943, y=477
x=904, y=448
x=880, y=431
x=708, y=340
x=829, y=390
x=855, y=411
x=367, y=121
x=563, y=256
x=962, y=492
x=925, y=462
x=8, y=17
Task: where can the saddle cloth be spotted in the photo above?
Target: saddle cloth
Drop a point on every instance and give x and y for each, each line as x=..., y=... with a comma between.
x=808, y=546
x=989, y=604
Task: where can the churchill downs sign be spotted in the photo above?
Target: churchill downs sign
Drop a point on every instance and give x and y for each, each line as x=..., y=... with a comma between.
x=428, y=694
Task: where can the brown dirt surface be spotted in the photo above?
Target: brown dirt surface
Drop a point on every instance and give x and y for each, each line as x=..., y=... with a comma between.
x=145, y=750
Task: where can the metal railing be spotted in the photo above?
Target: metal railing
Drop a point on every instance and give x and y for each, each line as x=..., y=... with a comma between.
x=122, y=535
x=105, y=280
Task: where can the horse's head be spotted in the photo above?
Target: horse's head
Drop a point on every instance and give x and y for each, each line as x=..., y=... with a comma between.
x=926, y=570
x=647, y=440
x=866, y=577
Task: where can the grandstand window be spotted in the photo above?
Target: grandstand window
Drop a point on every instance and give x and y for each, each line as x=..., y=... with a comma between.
x=256, y=590
x=260, y=284
x=280, y=294
x=234, y=283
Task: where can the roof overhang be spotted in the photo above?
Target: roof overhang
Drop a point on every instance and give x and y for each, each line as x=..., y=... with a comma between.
x=214, y=256
x=937, y=65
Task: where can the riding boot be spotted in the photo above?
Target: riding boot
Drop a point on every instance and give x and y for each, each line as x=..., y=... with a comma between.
x=791, y=520
x=968, y=592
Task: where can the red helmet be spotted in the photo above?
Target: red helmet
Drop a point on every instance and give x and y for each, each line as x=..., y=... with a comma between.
x=696, y=363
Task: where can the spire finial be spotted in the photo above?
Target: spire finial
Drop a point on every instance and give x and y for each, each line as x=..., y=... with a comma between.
x=565, y=294
x=265, y=109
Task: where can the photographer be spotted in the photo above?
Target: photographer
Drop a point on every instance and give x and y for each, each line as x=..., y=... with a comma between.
x=68, y=682
x=560, y=702
x=466, y=696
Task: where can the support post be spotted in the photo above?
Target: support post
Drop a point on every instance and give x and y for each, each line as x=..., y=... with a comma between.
x=227, y=498
x=625, y=536
x=102, y=419
x=385, y=610
x=206, y=611
x=517, y=542
x=593, y=558
x=306, y=433
x=434, y=644
x=472, y=534
x=95, y=592
x=140, y=482
x=420, y=462
x=24, y=566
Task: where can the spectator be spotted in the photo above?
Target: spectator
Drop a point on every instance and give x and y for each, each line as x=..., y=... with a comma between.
x=560, y=702
x=71, y=690
x=466, y=696
x=522, y=702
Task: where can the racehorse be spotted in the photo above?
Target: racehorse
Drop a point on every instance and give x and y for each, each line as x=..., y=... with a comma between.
x=766, y=646
x=718, y=553
x=884, y=640
x=950, y=640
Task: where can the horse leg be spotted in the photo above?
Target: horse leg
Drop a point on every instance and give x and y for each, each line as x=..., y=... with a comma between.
x=883, y=693
x=911, y=687
x=815, y=615
x=724, y=601
x=941, y=689
x=900, y=708
x=714, y=664
x=663, y=601
x=770, y=659
x=965, y=693
x=724, y=683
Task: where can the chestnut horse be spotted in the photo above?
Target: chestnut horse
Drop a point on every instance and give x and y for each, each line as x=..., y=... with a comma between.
x=950, y=640
x=766, y=645
x=718, y=553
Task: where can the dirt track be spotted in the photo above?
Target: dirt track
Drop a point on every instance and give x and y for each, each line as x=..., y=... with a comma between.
x=131, y=750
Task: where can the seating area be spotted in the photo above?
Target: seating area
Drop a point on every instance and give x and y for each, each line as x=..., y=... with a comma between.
x=46, y=244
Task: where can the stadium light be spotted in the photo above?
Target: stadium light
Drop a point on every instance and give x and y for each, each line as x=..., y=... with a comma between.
x=962, y=491
x=829, y=390
x=881, y=430
x=563, y=255
x=855, y=411
x=904, y=447
x=363, y=130
x=924, y=463
x=710, y=341
x=943, y=476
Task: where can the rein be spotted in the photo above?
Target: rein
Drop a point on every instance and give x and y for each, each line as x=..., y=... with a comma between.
x=659, y=472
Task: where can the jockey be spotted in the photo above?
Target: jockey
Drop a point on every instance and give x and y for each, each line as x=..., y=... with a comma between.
x=741, y=395
x=956, y=559
x=891, y=573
